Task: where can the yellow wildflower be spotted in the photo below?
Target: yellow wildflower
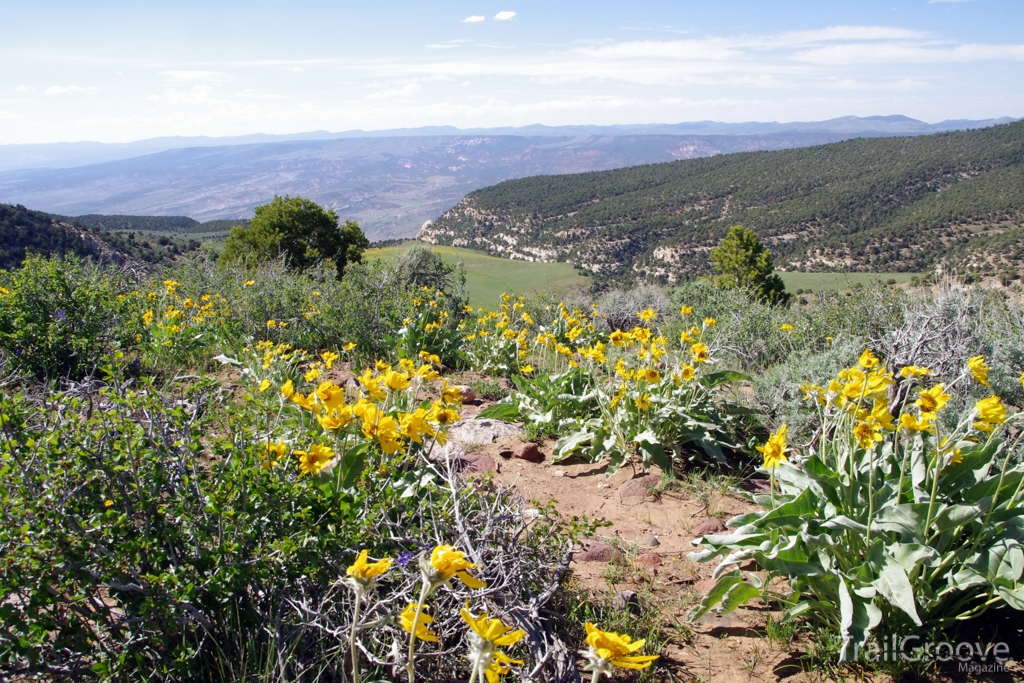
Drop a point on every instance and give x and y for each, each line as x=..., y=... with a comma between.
x=445, y=563
x=414, y=612
x=700, y=353
x=710, y=322
x=774, y=450
x=526, y=369
x=451, y=394
x=979, y=368
x=642, y=402
x=648, y=375
x=329, y=358
x=686, y=310
x=250, y=283
x=396, y=381
x=687, y=372
x=311, y=374
x=275, y=451
x=868, y=360
x=991, y=413
x=485, y=636
x=608, y=649
x=287, y=389
x=914, y=371
x=912, y=424
x=932, y=400
x=349, y=346
x=264, y=385
x=647, y=315
x=363, y=573
x=315, y=459
x=147, y=318
x=786, y=327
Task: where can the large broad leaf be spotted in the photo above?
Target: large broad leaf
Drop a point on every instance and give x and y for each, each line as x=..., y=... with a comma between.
x=1014, y=597
x=909, y=555
x=569, y=444
x=352, y=464
x=714, y=379
x=955, y=516
x=1005, y=561
x=715, y=595
x=652, y=451
x=859, y=616
x=893, y=584
x=791, y=513
x=500, y=411
x=739, y=594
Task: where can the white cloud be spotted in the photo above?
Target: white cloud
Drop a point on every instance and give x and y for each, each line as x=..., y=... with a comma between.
x=474, y=19
x=194, y=76
x=69, y=89
x=23, y=88
x=407, y=90
x=10, y=116
x=504, y=16
x=295, y=69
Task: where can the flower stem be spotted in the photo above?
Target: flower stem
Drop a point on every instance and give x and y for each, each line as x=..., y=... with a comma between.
x=352, y=639
x=597, y=675
x=410, y=666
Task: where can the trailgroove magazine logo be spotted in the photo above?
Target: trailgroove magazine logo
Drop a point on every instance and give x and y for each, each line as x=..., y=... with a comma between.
x=972, y=656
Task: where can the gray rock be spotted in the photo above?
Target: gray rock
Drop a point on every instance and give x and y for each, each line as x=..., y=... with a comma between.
x=474, y=463
x=651, y=541
x=482, y=431
x=468, y=394
x=627, y=600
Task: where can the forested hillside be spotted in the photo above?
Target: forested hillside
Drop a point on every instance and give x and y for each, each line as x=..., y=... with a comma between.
x=25, y=231
x=892, y=204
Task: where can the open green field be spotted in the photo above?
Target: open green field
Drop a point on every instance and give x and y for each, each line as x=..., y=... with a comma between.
x=816, y=282
x=488, y=276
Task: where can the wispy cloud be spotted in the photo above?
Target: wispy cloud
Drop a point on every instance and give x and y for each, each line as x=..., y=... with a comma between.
x=407, y=90
x=504, y=16
x=196, y=76
x=10, y=116
x=69, y=89
x=476, y=18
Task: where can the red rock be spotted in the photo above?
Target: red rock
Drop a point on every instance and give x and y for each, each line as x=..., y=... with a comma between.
x=712, y=525
x=475, y=463
x=639, y=487
x=597, y=552
x=529, y=452
x=704, y=586
x=648, y=560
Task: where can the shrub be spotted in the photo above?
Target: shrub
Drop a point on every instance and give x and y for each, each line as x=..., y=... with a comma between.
x=59, y=316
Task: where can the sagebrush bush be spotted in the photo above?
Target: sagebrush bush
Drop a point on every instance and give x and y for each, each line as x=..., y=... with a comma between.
x=59, y=316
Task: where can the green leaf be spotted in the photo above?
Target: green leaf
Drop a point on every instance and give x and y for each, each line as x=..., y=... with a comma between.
x=500, y=411
x=894, y=586
x=723, y=377
x=857, y=619
x=715, y=595
x=739, y=594
x=569, y=444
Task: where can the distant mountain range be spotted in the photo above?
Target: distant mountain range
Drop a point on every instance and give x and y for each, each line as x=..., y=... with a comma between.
x=391, y=181
x=893, y=204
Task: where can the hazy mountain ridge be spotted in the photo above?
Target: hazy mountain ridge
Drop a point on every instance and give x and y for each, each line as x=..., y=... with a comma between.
x=901, y=204
x=391, y=185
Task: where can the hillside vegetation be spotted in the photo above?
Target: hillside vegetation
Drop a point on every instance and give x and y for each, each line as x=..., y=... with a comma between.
x=23, y=231
x=891, y=204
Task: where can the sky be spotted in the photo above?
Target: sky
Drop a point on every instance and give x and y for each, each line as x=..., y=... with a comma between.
x=116, y=71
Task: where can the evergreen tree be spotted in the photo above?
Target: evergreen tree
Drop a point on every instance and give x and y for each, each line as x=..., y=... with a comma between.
x=741, y=261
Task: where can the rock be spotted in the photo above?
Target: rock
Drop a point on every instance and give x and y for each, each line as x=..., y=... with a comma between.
x=506, y=453
x=712, y=525
x=648, y=560
x=482, y=431
x=474, y=463
x=597, y=552
x=529, y=452
x=651, y=541
x=704, y=585
x=506, y=384
x=640, y=487
x=558, y=473
x=627, y=600
x=468, y=394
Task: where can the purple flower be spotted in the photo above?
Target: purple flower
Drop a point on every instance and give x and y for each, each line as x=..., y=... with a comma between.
x=403, y=559
x=59, y=314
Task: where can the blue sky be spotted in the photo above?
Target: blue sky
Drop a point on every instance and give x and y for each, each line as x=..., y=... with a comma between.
x=115, y=71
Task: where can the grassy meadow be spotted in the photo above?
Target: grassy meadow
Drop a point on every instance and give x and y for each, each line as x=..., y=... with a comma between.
x=817, y=282
x=487, y=277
